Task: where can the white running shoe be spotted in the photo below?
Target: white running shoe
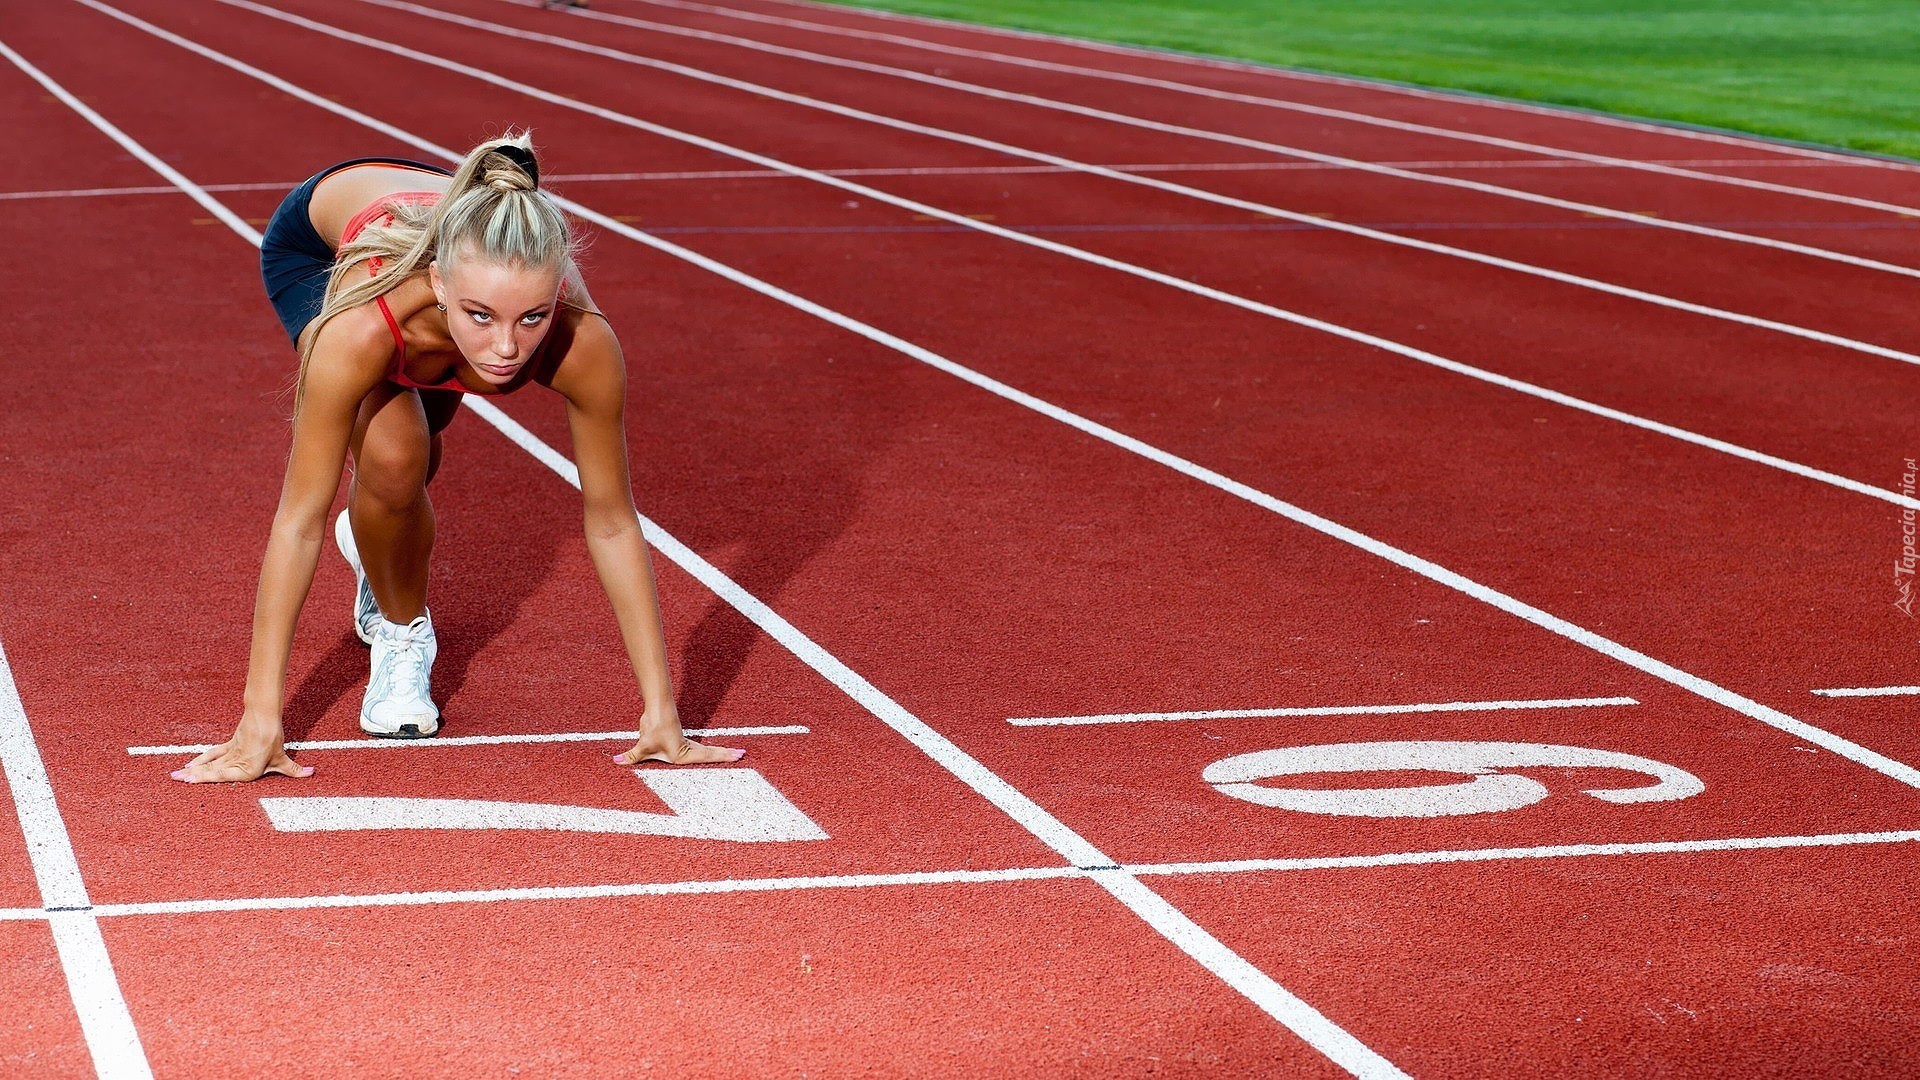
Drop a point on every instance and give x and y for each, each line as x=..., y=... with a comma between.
x=399, y=702
x=366, y=610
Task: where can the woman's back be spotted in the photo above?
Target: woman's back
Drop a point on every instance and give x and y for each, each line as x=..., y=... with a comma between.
x=338, y=197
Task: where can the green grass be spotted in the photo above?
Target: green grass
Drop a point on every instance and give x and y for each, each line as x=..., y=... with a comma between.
x=1838, y=72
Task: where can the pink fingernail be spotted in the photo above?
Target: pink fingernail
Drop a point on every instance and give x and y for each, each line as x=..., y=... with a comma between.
x=738, y=754
x=178, y=774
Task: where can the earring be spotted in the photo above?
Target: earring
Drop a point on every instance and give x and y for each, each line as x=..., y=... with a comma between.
x=442, y=307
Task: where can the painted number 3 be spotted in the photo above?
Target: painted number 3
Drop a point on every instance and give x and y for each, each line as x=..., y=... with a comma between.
x=1489, y=790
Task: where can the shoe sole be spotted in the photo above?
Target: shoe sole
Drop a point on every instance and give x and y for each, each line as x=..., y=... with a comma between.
x=407, y=731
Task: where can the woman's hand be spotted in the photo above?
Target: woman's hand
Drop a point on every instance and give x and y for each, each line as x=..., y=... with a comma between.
x=662, y=740
x=257, y=748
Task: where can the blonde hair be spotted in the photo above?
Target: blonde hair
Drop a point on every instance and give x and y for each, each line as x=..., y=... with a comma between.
x=493, y=210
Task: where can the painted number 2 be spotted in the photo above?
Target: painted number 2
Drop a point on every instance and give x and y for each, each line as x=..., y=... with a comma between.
x=1489, y=790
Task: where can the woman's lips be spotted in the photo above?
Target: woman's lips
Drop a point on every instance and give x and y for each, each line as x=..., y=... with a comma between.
x=500, y=371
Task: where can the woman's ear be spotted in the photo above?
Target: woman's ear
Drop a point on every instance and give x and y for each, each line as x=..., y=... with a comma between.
x=439, y=287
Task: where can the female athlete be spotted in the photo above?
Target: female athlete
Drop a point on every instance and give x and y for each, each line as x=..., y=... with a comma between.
x=405, y=286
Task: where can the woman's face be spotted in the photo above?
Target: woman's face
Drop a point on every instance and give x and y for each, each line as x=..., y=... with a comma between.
x=497, y=313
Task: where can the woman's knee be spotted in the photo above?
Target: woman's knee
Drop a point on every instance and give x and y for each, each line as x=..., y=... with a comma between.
x=394, y=470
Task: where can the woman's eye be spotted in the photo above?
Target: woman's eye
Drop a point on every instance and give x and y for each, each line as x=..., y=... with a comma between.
x=534, y=319
x=480, y=317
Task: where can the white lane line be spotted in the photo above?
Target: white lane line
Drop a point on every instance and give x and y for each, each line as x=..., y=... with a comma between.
x=1556, y=851
x=1171, y=167
x=106, y=1024
x=980, y=877
x=90, y=193
x=487, y=740
x=1292, y=1012
x=1232, y=299
x=1321, y=710
x=928, y=170
x=1184, y=190
x=1693, y=684
x=1275, y=103
x=1869, y=691
x=595, y=892
x=1387, y=86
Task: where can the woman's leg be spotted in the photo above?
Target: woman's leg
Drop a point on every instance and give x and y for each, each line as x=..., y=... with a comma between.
x=396, y=452
x=392, y=518
x=396, y=449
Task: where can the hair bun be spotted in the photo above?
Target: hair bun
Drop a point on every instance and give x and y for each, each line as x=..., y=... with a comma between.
x=506, y=180
x=521, y=157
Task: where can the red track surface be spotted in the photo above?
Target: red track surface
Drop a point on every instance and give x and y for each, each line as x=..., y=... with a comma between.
x=975, y=561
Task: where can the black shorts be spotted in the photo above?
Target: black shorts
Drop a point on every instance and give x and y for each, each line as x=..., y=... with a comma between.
x=295, y=260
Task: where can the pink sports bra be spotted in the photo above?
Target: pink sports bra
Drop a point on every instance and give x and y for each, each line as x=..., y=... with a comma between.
x=382, y=208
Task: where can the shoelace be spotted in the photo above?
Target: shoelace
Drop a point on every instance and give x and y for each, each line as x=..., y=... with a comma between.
x=408, y=655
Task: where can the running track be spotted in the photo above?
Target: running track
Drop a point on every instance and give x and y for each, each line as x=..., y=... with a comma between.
x=942, y=424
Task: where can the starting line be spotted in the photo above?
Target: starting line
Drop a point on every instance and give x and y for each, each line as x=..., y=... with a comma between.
x=973, y=877
x=488, y=740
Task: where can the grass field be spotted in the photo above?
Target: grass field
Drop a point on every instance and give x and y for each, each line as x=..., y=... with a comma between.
x=1839, y=72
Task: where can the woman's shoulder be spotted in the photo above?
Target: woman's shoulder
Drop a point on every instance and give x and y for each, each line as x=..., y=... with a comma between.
x=357, y=341
x=585, y=362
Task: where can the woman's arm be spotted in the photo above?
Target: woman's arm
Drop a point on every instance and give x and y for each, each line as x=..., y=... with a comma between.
x=346, y=362
x=592, y=377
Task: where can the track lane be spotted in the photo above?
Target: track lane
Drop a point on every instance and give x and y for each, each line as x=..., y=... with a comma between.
x=42, y=1035
x=1005, y=978
x=1751, y=965
x=1820, y=406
